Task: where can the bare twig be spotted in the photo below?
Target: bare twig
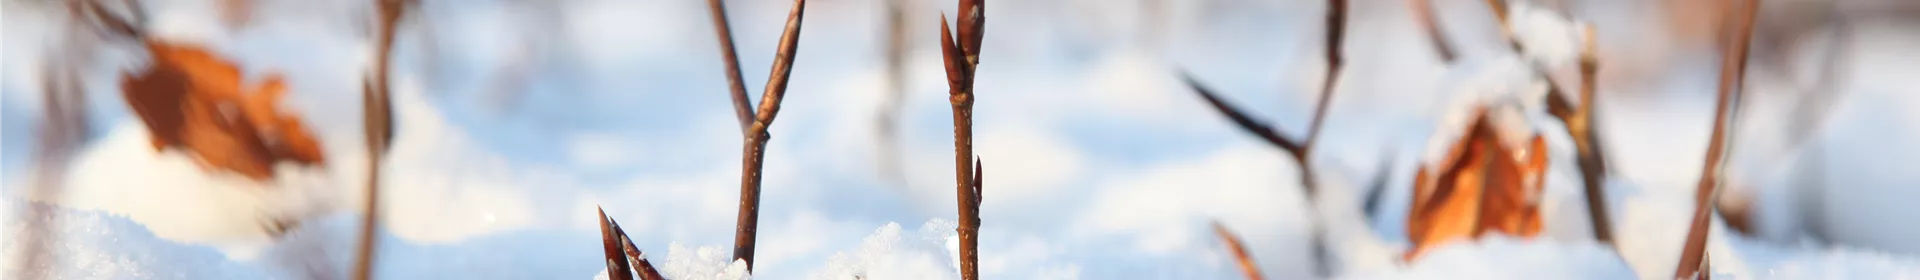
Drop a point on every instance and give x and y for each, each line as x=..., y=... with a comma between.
x=379, y=132
x=756, y=139
x=114, y=24
x=620, y=252
x=615, y=254
x=61, y=131
x=734, y=83
x=1245, y=122
x=1499, y=9
x=638, y=259
x=1301, y=151
x=1336, y=32
x=1580, y=125
x=1732, y=76
x=1424, y=14
x=961, y=59
x=1239, y=250
x=887, y=121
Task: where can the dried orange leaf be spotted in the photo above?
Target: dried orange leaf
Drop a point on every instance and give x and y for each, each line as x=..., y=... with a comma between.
x=1482, y=185
x=194, y=101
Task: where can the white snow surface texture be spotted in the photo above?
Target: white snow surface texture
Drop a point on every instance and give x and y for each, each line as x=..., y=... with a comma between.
x=516, y=120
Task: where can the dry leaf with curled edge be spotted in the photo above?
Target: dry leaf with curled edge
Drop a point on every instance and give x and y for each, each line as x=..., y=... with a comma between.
x=1482, y=185
x=193, y=100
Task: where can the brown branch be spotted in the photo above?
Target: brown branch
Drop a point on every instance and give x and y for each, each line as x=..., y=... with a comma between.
x=623, y=258
x=961, y=59
x=1245, y=122
x=114, y=23
x=1424, y=14
x=61, y=131
x=748, y=224
x=379, y=132
x=615, y=255
x=1239, y=250
x=612, y=236
x=1499, y=9
x=1732, y=75
x=1336, y=32
x=734, y=84
x=634, y=256
x=1580, y=125
x=887, y=120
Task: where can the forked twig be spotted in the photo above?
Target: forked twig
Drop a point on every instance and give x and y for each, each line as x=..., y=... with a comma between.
x=734, y=84
x=961, y=58
x=1300, y=150
x=379, y=132
x=755, y=152
x=1732, y=76
x=1336, y=34
x=1239, y=250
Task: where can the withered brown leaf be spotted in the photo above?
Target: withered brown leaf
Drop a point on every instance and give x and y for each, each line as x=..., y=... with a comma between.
x=1482, y=185
x=193, y=100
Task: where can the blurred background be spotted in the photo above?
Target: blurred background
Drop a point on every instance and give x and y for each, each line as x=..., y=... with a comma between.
x=515, y=119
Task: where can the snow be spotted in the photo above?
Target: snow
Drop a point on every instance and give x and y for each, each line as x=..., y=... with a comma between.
x=1548, y=37
x=702, y=263
x=1111, y=170
x=892, y=253
x=1503, y=257
x=94, y=245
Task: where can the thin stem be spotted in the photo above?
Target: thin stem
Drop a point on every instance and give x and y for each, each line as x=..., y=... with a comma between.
x=1274, y=137
x=1593, y=164
x=1336, y=34
x=1239, y=250
x=754, y=155
x=961, y=59
x=887, y=121
x=1423, y=12
x=1336, y=30
x=61, y=131
x=1732, y=75
x=639, y=259
x=115, y=24
x=379, y=132
x=1578, y=119
x=615, y=254
x=741, y=106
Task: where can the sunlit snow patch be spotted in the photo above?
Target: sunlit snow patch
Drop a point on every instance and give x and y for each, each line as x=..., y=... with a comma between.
x=1502, y=257
x=92, y=245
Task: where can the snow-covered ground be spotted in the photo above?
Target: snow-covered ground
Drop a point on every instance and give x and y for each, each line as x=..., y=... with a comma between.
x=1101, y=164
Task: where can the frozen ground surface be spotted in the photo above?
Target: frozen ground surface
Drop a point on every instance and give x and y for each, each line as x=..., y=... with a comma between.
x=1100, y=164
